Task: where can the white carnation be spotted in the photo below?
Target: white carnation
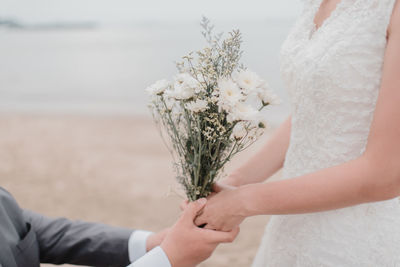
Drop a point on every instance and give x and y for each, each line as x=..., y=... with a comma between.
x=185, y=86
x=186, y=79
x=197, y=106
x=170, y=103
x=248, y=80
x=239, y=131
x=243, y=112
x=158, y=87
x=181, y=92
x=267, y=96
x=200, y=78
x=229, y=94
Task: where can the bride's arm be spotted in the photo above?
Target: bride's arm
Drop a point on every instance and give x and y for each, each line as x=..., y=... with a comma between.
x=374, y=176
x=268, y=160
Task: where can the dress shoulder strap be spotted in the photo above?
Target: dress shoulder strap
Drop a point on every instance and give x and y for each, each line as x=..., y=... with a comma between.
x=388, y=10
x=378, y=10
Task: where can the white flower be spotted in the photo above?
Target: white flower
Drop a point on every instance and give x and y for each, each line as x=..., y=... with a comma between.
x=267, y=96
x=200, y=78
x=248, y=80
x=229, y=94
x=239, y=131
x=158, y=87
x=170, y=103
x=243, y=112
x=186, y=80
x=181, y=92
x=197, y=106
x=185, y=86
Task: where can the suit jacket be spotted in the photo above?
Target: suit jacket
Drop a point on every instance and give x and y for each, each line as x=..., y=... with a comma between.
x=28, y=239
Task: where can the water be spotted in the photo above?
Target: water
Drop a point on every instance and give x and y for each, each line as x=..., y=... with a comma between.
x=105, y=69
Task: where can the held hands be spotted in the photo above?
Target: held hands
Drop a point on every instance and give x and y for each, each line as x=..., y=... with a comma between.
x=186, y=245
x=223, y=209
x=155, y=240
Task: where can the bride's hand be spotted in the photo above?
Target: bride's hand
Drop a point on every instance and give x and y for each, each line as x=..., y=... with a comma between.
x=223, y=209
x=217, y=187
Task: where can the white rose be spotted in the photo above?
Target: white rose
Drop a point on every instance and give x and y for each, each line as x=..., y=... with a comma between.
x=248, y=80
x=197, y=106
x=229, y=94
x=158, y=87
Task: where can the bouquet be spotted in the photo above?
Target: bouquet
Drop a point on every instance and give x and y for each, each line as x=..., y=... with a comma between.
x=210, y=111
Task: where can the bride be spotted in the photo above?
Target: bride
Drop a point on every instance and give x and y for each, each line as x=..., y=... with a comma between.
x=336, y=204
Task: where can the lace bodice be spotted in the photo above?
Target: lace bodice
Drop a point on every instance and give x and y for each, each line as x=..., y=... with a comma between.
x=333, y=76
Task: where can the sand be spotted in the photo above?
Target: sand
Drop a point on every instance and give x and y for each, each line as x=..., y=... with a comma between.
x=110, y=169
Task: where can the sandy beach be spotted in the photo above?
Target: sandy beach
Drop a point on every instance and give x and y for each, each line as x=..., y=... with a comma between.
x=110, y=169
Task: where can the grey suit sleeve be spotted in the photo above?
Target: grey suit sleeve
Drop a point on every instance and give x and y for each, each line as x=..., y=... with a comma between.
x=74, y=242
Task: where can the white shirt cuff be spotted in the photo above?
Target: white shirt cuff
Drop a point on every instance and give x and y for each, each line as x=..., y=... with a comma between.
x=137, y=244
x=154, y=258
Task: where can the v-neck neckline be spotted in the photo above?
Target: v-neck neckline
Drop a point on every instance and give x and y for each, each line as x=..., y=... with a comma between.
x=315, y=29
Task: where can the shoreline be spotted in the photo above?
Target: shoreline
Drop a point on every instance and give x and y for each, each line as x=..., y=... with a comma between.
x=112, y=169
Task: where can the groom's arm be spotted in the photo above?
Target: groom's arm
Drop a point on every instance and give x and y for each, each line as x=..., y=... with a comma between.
x=64, y=241
x=154, y=258
x=185, y=244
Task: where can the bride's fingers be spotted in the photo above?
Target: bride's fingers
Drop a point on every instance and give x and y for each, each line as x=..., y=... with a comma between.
x=209, y=226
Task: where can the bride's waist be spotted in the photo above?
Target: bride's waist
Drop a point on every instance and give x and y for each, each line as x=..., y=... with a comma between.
x=381, y=212
x=301, y=159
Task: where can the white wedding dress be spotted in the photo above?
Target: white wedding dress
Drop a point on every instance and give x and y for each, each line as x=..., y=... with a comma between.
x=333, y=77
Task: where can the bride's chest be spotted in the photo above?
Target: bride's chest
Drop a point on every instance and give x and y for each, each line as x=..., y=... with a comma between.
x=345, y=53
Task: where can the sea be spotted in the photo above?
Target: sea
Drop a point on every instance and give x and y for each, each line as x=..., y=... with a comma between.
x=104, y=69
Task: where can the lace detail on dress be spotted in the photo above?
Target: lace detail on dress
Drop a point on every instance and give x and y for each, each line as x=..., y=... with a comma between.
x=333, y=75
x=333, y=78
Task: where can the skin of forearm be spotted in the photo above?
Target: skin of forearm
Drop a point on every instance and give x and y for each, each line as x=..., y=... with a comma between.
x=265, y=162
x=355, y=182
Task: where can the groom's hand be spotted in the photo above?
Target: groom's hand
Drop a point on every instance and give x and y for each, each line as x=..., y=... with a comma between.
x=186, y=245
x=221, y=186
x=156, y=239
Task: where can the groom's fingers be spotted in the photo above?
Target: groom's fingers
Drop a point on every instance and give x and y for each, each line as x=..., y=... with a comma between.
x=184, y=204
x=193, y=210
x=222, y=237
x=218, y=187
x=199, y=220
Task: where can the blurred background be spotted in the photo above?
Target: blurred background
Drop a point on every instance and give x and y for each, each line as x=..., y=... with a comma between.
x=76, y=137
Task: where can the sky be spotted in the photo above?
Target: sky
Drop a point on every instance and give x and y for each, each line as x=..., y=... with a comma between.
x=116, y=11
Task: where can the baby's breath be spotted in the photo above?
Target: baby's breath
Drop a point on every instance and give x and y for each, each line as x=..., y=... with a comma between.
x=204, y=111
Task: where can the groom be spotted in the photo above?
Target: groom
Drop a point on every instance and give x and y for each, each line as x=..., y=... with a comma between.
x=28, y=239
